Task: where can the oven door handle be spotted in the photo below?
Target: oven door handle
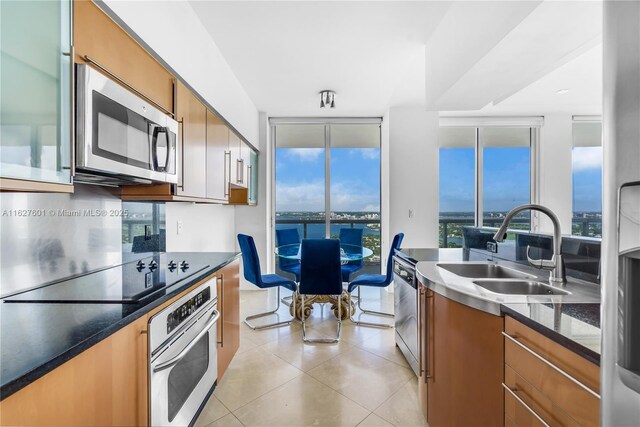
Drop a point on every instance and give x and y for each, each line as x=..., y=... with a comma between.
x=172, y=362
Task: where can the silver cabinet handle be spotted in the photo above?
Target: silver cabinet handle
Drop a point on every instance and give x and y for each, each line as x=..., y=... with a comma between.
x=551, y=365
x=249, y=172
x=227, y=172
x=419, y=312
x=172, y=362
x=240, y=171
x=181, y=151
x=522, y=402
x=221, y=342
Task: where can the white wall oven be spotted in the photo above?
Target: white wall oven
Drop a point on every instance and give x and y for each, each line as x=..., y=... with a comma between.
x=183, y=357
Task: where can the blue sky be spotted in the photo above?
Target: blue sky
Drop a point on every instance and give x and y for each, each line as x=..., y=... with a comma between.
x=355, y=179
x=506, y=179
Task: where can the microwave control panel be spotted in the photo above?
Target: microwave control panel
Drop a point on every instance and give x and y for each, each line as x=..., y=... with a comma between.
x=182, y=313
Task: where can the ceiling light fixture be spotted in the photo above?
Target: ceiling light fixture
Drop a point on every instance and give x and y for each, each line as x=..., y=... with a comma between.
x=562, y=91
x=327, y=99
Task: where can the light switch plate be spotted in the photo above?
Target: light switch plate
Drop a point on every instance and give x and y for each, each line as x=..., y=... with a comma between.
x=179, y=227
x=412, y=213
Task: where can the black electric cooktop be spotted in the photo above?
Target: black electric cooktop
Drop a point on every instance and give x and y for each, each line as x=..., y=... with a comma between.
x=126, y=283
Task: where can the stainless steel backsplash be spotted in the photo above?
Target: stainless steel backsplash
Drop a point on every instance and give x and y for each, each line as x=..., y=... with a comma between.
x=46, y=237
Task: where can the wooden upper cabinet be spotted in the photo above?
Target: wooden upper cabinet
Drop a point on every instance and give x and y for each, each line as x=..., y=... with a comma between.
x=192, y=114
x=238, y=163
x=100, y=38
x=218, y=158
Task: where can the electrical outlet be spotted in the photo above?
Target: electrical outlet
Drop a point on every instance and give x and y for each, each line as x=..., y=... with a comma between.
x=412, y=213
x=179, y=227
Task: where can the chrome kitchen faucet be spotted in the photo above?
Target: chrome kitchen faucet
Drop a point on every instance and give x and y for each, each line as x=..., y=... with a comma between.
x=556, y=263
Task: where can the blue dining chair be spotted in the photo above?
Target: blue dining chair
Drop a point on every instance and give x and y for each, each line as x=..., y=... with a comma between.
x=320, y=274
x=378, y=281
x=251, y=266
x=351, y=236
x=288, y=236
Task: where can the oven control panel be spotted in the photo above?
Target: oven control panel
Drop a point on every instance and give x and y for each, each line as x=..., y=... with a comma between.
x=182, y=313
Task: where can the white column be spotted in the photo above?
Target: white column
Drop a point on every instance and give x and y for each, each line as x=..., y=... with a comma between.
x=555, y=171
x=413, y=176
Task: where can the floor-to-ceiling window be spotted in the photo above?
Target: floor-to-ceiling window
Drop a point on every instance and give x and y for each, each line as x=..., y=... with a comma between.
x=327, y=177
x=587, y=179
x=483, y=173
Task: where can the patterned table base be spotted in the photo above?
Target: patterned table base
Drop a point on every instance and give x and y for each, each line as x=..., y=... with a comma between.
x=310, y=300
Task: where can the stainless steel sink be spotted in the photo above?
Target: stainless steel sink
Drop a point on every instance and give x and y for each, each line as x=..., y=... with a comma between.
x=485, y=271
x=519, y=287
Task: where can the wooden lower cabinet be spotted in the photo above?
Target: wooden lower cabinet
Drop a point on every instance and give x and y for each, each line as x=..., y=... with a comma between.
x=229, y=307
x=462, y=362
x=105, y=385
x=537, y=370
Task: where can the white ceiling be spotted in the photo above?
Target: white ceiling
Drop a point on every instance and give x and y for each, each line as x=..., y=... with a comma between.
x=476, y=57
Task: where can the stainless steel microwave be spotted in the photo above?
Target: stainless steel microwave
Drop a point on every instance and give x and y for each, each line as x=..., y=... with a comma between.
x=121, y=138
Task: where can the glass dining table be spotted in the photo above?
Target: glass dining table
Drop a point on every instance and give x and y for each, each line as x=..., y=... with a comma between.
x=348, y=253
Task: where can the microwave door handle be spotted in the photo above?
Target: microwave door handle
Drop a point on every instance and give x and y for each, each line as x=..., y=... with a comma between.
x=173, y=361
x=156, y=164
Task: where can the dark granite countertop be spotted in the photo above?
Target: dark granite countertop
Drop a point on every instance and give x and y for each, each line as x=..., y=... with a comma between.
x=36, y=338
x=576, y=326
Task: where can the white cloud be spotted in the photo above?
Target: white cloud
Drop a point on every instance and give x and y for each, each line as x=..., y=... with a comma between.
x=304, y=196
x=587, y=158
x=305, y=154
x=309, y=196
x=370, y=153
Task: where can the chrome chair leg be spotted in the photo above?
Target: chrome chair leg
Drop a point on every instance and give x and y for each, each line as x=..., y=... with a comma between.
x=364, y=310
x=361, y=323
x=322, y=340
x=287, y=300
x=268, y=325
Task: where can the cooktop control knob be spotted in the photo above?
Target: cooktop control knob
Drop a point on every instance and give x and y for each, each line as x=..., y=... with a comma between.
x=153, y=266
x=172, y=266
x=184, y=266
x=140, y=266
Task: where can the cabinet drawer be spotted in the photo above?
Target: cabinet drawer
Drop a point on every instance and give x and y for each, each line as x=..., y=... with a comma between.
x=578, y=367
x=551, y=413
x=575, y=398
x=518, y=415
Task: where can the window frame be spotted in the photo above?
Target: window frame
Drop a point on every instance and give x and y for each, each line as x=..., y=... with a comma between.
x=533, y=124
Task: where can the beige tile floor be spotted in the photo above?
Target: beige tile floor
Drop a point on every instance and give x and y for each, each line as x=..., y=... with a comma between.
x=277, y=380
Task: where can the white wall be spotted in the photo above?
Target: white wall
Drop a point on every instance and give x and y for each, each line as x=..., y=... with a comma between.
x=256, y=220
x=556, y=144
x=205, y=228
x=174, y=31
x=413, y=175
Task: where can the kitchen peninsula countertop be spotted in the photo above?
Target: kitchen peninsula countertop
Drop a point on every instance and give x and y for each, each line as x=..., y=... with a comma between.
x=572, y=322
x=36, y=338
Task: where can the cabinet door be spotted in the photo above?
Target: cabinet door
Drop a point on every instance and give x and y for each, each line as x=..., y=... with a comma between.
x=238, y=163
x=252, y=177
x=229, y=306
x=466, y=365
x=423, y=390
x=100, y=38
x=36, y=75
x=193, y=144
x=218, y=157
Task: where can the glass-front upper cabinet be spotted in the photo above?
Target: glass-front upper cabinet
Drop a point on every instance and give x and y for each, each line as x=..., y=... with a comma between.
x=35, y=92
x=253, y=177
